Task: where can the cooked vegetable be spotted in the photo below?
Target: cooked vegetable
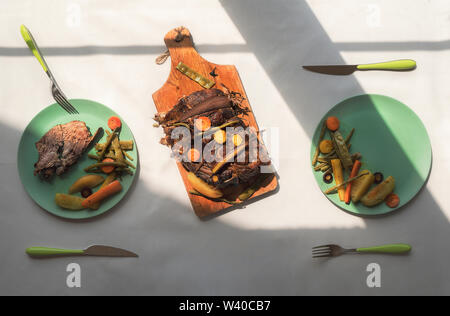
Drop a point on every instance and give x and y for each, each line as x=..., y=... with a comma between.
x=328, y=177
x=255, y=186
x=349, y=136
x=111, y=189
x=193, y=192
x=392, y=200
x=110, y=178
x=379, y=193
x=220, y=136
x=70, y=202
x=342, y=185
x=107, y=169
x=124, y=144
x=87, y=181
x=114, y=122
x=354, y=173
x=212, y=130
x=322, y=134
x=203, y=123
x=361, y=185
x=237, y=140
x=228, y=158
x=338, y=176
x=326, y=146
x=109, y=140
x=86, y=192
x=378, y=177
x=117, y=150
x=204, y=188
x=192, y=74
x=341, y=150
x=193, y=155
x=101, y=164
x=333, y=123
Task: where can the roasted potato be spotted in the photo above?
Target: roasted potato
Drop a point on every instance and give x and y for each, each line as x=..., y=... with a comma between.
x=361, y=185
x=87, y=181
x=379, y=193
x=203, y=187
x=68, y=201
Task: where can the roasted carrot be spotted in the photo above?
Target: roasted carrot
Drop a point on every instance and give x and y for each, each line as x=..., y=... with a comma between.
x=333, y=123
x=354, y=173
x=193, y=155
x=114, y=122
x=102, y=194
x=338, y=177
x=107, y=169
x=203, y=123
x=392, y=200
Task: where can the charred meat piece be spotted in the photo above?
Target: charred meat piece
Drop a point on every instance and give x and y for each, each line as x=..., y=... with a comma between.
x=61, y=147
x=222, y=109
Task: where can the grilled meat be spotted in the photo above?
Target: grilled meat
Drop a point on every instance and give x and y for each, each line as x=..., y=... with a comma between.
x=220, y=108
x=61, y=147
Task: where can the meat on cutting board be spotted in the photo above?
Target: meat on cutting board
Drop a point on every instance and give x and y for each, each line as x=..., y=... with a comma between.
x=61, y=147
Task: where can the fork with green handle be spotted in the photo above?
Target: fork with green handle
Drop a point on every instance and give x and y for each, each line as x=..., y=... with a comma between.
x=57, y=93
x=335, y=250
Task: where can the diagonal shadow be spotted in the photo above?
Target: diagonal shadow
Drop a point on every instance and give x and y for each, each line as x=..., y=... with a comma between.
x=298, y=38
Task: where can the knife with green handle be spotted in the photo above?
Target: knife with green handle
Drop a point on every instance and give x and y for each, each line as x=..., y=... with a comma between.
x=395, y=65
x=97, y=250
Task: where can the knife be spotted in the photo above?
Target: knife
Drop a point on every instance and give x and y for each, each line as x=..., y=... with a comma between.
x=395, y=65
x=98, y=251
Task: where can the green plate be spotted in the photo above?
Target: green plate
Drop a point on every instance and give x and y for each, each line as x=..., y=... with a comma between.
x=392, y=140
x=43, y=192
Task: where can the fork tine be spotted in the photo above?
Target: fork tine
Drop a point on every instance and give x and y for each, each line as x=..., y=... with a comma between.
x=61, y=103
x=323, y=246
x=68, y=105
x=322, y=256
x=321, y=253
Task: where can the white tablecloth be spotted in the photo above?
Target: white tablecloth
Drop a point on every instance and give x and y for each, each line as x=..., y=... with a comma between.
x=105, y=51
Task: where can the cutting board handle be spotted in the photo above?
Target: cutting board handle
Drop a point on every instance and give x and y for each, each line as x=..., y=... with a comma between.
x=181, y=46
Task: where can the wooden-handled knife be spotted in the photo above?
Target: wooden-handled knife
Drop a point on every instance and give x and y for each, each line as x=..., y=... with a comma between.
x=97, y=251
x=395, y=65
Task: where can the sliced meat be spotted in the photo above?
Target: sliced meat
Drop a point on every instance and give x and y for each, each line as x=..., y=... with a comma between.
x=61, y=147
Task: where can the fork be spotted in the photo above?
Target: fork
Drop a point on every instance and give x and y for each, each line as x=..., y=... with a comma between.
x=335, y=250
x=57, y=93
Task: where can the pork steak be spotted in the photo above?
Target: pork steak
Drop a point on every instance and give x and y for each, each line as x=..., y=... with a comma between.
x=61, y=147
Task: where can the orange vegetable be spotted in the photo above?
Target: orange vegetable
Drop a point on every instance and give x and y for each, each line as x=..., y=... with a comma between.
x=114, y=122
x=333, y=123
x=193, y=155
x=354, y=173
x=338, y=177
x=108, y=169
x=392, y=200
x=203, y=123
x=111, y=189
x=326, y=146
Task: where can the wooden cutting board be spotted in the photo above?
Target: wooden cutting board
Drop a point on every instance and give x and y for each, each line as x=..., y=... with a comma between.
x=181, y=48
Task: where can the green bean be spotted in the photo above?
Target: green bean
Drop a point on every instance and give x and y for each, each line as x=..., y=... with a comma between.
x=103, y=164
x=108, y=143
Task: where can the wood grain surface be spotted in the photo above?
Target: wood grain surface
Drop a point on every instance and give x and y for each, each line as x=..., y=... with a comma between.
x=180, y=44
